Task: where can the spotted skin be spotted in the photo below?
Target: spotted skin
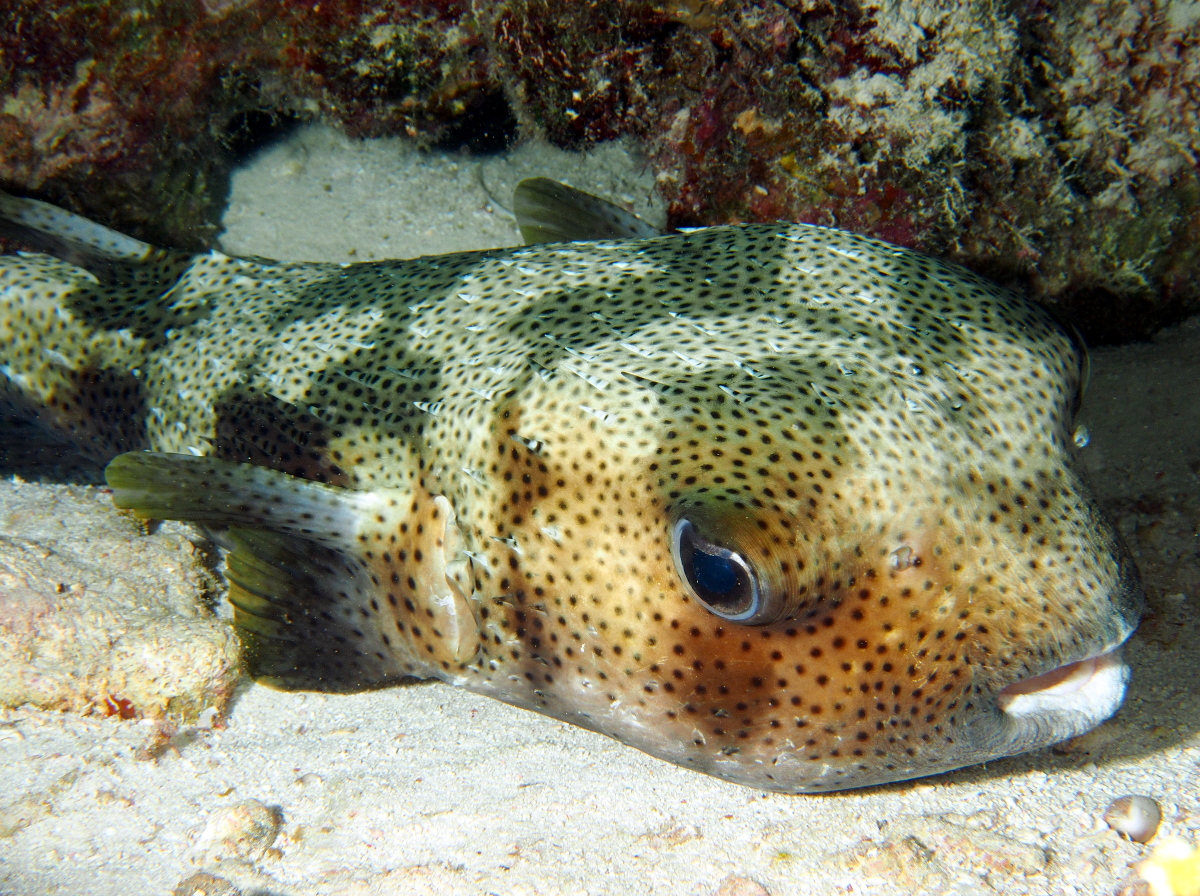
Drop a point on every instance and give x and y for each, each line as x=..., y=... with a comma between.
x=500, y=443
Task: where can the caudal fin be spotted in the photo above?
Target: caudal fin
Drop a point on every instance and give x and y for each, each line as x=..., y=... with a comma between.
x=65, y=234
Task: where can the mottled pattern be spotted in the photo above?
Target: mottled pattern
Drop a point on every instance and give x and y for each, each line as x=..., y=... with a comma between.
x=508, y=439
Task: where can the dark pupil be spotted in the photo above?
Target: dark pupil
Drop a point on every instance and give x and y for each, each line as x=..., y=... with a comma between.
x=719, y=577
x=716, y=575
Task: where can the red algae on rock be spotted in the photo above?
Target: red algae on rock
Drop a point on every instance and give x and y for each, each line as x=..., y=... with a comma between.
x=586, y=72
x=125, y=109
x=1050, y=145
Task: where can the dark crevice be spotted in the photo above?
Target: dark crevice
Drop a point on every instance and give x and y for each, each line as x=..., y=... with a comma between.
x=487, y=127
x=249, y=131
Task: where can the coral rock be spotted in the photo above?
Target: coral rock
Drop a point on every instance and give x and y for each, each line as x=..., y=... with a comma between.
x=1054, y=147
x=96, y=616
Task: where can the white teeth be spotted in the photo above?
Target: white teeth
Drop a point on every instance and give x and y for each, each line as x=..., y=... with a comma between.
x=1090, y=690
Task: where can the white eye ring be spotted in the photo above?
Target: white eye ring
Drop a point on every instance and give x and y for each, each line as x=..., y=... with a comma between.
x=720, y=579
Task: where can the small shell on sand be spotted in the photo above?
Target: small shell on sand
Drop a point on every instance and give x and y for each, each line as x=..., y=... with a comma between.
x=203, y=884
x=1136, y=817
x=243, y=831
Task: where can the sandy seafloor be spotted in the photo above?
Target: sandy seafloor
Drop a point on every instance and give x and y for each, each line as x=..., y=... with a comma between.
x=426, y=789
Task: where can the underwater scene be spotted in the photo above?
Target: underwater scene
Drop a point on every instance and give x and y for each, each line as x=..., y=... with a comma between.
x=709, y=447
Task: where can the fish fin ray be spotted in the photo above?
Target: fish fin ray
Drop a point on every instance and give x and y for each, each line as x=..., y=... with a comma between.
x=301, y=612
x=299, y=554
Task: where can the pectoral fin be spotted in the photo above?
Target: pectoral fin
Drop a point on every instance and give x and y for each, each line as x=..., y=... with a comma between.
x=305, y=616
x=332, y=587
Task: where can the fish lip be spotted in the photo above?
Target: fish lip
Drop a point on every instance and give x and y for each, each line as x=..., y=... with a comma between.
x=1073, y=698
x=1090, y=690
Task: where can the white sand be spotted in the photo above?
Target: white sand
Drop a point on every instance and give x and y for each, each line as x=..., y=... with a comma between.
x=320, y=196
x=426, y=789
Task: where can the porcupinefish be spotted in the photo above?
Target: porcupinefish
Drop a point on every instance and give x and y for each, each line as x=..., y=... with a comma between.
x=774, y=502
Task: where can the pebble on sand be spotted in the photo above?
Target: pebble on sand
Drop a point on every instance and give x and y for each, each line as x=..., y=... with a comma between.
x=243, y=831
x=741, y=886
x=204, y=884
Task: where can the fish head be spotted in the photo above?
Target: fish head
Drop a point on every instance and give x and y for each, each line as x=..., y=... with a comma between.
x=837, y=565
x=865, y=613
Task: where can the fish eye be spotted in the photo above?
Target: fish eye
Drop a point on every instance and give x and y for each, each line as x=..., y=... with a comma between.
x=719, y=578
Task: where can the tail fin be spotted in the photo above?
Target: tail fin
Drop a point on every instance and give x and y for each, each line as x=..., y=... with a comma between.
x=67, y=235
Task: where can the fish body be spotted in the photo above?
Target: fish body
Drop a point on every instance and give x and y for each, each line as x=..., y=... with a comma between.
x=778, y=503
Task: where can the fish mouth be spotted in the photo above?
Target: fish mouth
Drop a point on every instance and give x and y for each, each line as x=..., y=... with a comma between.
x=1090, y=690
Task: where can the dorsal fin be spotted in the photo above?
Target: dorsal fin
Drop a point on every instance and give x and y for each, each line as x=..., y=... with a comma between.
x=550, y=212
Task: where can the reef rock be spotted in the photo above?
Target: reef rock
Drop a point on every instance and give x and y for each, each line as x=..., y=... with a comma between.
x=1053, y=146
x=96, y=615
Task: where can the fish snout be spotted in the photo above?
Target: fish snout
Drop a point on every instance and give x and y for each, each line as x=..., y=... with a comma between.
x=1079, y=692
x=928, y=645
